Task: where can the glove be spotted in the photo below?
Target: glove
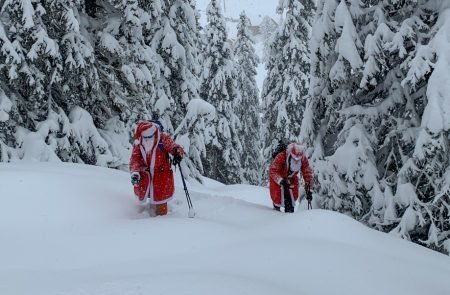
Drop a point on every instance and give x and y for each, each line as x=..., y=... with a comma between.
x=177, y=156
x=135, y=178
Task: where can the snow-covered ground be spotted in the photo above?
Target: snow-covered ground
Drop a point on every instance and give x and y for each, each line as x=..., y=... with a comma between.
x=75, y=229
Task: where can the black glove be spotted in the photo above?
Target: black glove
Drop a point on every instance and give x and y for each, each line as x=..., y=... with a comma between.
x=135, y=178
x=176, y=159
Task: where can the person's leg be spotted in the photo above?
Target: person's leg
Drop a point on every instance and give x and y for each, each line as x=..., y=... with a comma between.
x=288, y=206
x=161, y=209
x=152, y=210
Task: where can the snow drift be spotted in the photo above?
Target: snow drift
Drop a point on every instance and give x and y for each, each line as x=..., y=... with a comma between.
x=75, y=229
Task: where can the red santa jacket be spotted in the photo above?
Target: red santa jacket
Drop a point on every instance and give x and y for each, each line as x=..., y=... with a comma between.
x=279, y=170
x=157, y=182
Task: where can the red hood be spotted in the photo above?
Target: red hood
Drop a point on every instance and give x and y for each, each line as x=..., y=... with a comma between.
x=141, y=127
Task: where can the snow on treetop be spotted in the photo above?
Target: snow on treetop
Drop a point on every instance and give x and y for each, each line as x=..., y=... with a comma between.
x=256, y=10
x=5, y=106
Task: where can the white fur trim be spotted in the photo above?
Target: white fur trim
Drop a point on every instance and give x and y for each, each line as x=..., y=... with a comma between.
x=149, y=131
x=295, y=164
x=147, y=200
x=153, y=202
x=295, y=146
x=152, y=167
x=143, y=154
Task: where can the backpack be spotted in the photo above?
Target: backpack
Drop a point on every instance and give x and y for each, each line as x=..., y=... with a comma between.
x=281, y=147
x=158, y=122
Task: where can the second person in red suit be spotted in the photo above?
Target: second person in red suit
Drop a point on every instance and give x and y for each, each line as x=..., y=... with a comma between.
x=284, y=177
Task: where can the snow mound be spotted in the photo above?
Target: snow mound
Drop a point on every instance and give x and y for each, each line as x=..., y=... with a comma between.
x=75, y=229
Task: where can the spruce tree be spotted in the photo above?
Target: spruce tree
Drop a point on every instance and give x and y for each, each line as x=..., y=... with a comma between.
x=286, y=86
x=268, y=28
x=377, y=72
x=39, y=61
x=222, y=161
x=248, y=110
x=183, y=63
x=10, y=119
x=422, y=193
x=78, y=77
x=125, y=62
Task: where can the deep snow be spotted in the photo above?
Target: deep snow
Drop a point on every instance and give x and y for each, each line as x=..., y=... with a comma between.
x=75, y=229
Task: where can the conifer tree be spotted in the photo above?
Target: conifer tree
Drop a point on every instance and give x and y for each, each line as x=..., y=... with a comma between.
x=222, y=160
x=39, y=62
x=125, y=62
x=78, y=81
x=10, y=118
x=247, y=109
x=287, y=82
x=377, y=73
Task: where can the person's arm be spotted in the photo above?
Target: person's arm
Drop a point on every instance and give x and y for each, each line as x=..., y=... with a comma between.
x=170, y=145
x=137, y=165
x=136, y=162
x=276, y=169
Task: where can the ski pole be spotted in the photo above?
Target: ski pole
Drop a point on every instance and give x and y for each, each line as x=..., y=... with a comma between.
x=308, y=196
x=191, y=213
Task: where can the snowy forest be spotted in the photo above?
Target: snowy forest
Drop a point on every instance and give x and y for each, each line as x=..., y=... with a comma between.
x=363, y=84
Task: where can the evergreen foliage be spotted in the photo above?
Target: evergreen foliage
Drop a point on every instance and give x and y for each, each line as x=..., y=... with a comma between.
x=376, y=115
x=286, y=85
x=219, y=87
x=248, y=109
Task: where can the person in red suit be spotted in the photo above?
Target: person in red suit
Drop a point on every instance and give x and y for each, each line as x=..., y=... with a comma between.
x=150, y=166
x=284, y=178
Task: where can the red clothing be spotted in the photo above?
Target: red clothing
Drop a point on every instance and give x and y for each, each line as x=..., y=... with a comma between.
x=154, y=168
x=279, y=170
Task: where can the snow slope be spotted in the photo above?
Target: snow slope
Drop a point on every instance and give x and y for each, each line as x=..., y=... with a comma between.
x=75, y=229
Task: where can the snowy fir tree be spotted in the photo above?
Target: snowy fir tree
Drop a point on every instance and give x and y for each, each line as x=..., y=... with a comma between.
x=32, y=75
x=101, y=62
x=423, y=183
x=286, y=84
x=133, y=59
x=161, y=37
x=180, y=51
x=268, y=28
x=184, y=65
x=248, y=107
x=37, y=55
x=78, y=71
x=374, y=90
x=9, y=114
x=222, y=161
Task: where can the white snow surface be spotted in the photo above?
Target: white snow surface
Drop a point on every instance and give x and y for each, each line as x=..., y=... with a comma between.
x=75, y=229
